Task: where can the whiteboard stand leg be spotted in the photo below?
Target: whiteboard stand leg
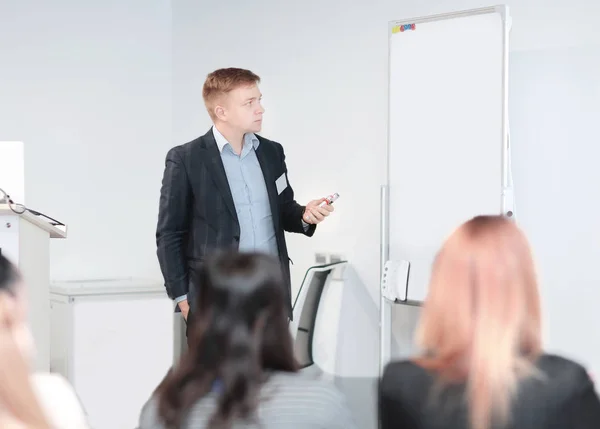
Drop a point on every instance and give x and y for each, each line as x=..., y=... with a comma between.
x=394, y=281
x=385, y=311
x=385, y=339
x=508, y=203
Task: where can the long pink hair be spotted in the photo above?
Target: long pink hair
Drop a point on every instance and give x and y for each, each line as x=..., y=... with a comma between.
x=481, y=320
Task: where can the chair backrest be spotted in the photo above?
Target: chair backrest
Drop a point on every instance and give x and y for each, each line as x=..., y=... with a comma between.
x=306, y=307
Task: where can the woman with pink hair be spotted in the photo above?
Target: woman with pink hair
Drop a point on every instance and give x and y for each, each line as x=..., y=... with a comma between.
x=482, y=364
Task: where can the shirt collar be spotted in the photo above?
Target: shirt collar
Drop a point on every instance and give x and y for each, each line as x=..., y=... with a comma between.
x=249, y=138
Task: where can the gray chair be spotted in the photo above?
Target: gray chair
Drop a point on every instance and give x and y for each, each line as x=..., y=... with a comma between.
x=305, y=309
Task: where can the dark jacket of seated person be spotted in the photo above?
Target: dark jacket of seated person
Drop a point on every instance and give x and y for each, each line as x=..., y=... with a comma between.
x=239, y=370
x=482, y=365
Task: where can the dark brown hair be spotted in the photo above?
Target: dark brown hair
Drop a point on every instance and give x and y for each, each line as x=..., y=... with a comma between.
x=9, y=275
x=239, y=333
x=222, y=81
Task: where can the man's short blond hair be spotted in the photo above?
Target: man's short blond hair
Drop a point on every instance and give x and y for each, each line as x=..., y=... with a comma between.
x=222, y=81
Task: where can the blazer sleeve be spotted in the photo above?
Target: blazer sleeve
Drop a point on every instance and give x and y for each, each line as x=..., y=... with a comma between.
x=173, y=225
x=291, y=211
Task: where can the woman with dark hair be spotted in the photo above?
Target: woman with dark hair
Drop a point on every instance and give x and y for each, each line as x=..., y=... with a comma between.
x=38, y=401
x=239, y=370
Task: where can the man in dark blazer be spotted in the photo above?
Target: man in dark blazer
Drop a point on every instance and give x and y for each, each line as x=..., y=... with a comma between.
x=228, y=188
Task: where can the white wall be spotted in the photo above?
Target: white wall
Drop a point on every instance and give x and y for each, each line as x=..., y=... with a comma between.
x=555, y=107
x=87, y=88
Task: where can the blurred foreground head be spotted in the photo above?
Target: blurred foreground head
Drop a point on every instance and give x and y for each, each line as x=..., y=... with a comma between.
x=481, y=321
x=19, y=406
x=239, y=334
x=13, y=307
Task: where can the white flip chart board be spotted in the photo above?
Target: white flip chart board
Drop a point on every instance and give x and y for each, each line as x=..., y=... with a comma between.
x=448, y=133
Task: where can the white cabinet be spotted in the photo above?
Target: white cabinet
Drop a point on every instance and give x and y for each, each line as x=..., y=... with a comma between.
x=113, y=340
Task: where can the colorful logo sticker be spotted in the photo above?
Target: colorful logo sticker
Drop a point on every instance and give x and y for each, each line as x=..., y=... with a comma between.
x=403, y=28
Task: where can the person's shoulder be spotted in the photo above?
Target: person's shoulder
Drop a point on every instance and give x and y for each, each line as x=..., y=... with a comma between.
x=59, y=400
x=299, y=386
x=299, y=380
x=562, y=371
x=403, y=375
x=559, y=380
x=54, y=387
x=315, y=394
x=403, y=369
x=403, y=366
x=271, y=144
x=149, y=414
x=183, y=149
x=263, y=139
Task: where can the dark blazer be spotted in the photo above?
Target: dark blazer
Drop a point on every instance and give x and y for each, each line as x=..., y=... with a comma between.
x=197, y=214
x=564, y=399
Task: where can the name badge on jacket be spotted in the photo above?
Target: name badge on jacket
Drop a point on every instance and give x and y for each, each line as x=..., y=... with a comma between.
x=281, y=184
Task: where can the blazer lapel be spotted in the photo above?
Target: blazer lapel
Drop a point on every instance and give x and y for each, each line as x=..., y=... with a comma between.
x=265, y=165
x=215, y=166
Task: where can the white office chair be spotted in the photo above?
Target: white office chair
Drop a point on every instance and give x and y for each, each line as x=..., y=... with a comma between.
x=305, y=309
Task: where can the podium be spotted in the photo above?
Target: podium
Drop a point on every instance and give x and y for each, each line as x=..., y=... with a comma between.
x=25, y=241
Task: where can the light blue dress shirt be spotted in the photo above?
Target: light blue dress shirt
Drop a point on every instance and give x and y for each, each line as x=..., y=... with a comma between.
x=250, y=195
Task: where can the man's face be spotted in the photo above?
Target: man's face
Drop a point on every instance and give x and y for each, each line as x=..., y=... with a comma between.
x=242, y=109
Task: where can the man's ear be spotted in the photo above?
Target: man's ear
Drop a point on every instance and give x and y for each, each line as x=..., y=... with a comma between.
x=220, y=109
x=220, y=112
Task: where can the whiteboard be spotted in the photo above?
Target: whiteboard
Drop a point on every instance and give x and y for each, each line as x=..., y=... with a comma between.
x=447, y=131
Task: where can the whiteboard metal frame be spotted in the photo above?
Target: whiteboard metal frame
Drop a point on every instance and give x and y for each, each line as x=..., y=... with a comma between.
x=506, y=187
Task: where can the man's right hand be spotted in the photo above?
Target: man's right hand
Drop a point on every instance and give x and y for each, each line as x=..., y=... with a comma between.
x=185, y=308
